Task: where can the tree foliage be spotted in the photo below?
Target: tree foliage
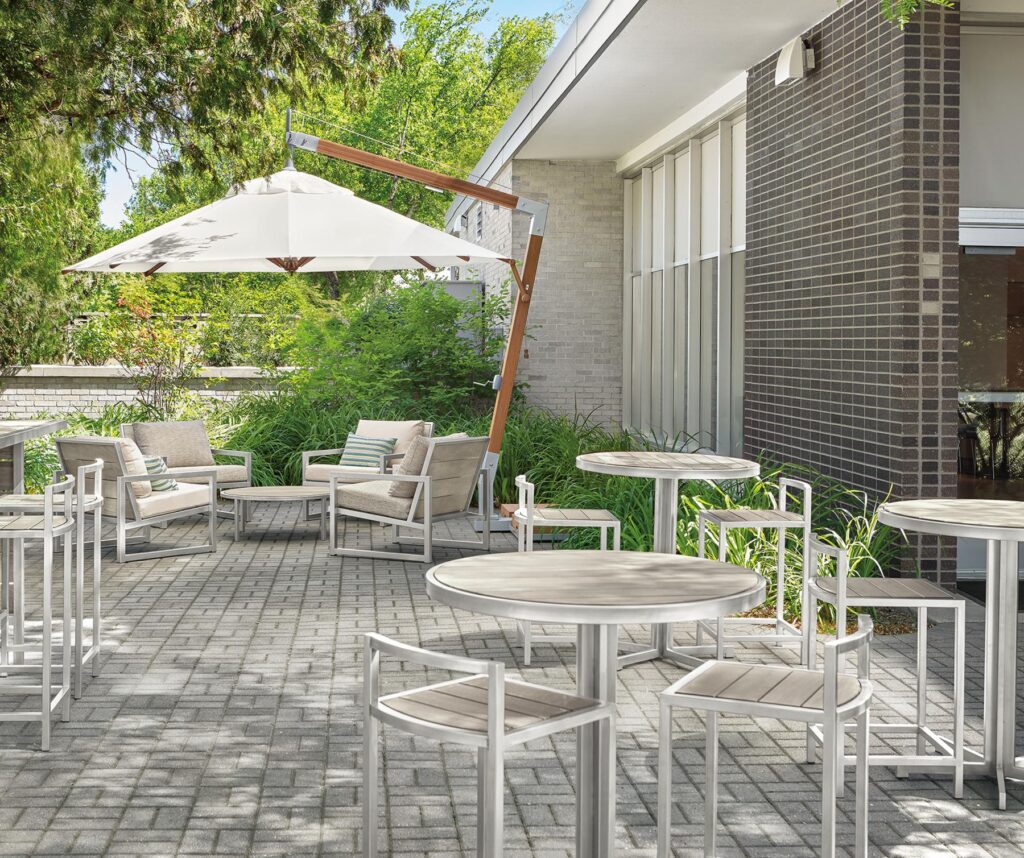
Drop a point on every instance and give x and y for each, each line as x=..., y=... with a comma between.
x=171, y=73
x=902, y=11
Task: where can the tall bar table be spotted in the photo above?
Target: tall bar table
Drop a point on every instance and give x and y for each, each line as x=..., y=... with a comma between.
x=13, y=435
x=667, y=469
x=597, y=591
x=1001, y=525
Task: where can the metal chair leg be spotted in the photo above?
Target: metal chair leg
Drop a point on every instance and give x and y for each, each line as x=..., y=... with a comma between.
x=65, y=637
x=97, y=591
x=861, y=813
x=46, y=676
x=958, y=700
x=711, y=789
x=370, y=787
x=493, y=809
x=525, y=640
x=665, y=781
x=481, y=801
x=829, y=754
x=922, y=677
x=811, y=636
x=79, y=599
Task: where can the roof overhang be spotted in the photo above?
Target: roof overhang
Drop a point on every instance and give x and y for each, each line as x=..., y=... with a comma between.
x=628, y=72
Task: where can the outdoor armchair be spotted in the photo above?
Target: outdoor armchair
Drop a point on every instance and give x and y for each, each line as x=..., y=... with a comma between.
x=186, y=448
x=129, y=500
x=404, y=432
x=440, y=489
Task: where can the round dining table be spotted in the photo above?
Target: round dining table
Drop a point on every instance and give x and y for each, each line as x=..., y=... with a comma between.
x=667, y=470
x=1001, y=524
x=597, y=591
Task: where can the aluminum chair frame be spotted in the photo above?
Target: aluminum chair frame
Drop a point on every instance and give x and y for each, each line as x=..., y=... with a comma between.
x=128, y=432
x=125, y=500
x=84, y=503
x=490, y=745
x=833, y=716
x=524, y=518
x=950, y=754
x=47, y=531
x=785, y=631
x=421, y=498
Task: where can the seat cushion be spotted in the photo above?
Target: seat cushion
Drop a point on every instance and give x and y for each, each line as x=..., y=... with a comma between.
x=403, y=431
x=135, y=466
x=463, y=704
x=362, y=451
x=185, y=496
x=373, y=498
x=323, y=473
x=183, y=443
x=225, y=474
x=776, y=686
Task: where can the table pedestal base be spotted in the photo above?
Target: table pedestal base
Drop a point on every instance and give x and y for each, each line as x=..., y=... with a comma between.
x=595, y=753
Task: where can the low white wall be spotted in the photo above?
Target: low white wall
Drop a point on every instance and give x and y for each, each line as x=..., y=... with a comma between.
x=45, y=389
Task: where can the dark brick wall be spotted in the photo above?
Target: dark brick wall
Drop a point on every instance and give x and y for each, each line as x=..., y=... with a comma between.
x=851, y=308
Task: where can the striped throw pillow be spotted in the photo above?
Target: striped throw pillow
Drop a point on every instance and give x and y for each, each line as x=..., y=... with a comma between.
x=156, y=465
x=364, y=452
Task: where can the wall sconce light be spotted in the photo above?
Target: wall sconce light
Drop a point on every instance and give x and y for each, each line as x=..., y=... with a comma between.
x=795, y=61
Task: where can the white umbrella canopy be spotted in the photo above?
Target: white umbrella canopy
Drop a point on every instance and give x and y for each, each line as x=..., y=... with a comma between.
x=290, y=221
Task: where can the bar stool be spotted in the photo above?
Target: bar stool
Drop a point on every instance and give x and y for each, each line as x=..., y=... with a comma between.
x=830, y=697
x=55, y=522
x=782, y=519
x=482, y=710
x=528, y=517
x=845, y=591
x=84, y=502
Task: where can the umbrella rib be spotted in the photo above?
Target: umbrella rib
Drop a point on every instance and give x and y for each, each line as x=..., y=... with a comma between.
x=425, y=264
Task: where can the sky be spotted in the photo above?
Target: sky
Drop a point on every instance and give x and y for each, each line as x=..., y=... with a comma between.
x=119, y=183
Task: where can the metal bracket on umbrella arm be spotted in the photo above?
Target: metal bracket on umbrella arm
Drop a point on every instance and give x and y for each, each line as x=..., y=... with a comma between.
x=538, y=212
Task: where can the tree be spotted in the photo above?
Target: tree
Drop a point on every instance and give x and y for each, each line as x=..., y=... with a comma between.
x=49, y=212
x=169, y=73
x=901, y=11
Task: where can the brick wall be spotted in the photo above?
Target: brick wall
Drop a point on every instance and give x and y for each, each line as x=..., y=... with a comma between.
x=575, y=331
x=851, y=268
x=62, y=390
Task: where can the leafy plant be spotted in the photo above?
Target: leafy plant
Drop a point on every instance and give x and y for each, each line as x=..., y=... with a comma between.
x=901, y=11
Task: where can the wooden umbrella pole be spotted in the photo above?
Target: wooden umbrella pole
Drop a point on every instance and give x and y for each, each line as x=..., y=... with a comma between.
x=524, y=283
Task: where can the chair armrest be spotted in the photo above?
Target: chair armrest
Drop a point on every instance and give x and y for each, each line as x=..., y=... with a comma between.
x=443, y=661
x=244, y=455
x=388, y=459
x=209, y=476
x=309, y=455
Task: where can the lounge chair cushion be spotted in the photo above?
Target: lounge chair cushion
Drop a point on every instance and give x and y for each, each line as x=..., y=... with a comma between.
x=135, y=466
x=410, y=464
x=403, y=431
x=185, y=496
x=363, y=451
x=225, y=474
x=183, y=443
x=373, y=498
x=323, y=473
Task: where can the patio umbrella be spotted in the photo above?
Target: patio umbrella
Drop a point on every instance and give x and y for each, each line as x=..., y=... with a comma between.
x=289, y=221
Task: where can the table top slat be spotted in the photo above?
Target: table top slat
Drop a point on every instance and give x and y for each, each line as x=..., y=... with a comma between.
x=657, y=464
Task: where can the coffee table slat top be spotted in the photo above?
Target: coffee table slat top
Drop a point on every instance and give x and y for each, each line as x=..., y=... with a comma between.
x=661, y=465
x=276, y=493
x=595, y=586
x=976, y=518
x=17, y=431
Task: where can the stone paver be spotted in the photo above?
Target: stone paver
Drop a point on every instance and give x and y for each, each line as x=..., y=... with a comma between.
x=226, y=722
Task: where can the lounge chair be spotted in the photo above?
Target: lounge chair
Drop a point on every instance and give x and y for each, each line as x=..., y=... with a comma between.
x=403, y=431
x=440, y=489
x=129, y=499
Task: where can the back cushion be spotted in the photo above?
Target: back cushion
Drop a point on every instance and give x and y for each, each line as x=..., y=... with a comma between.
x=364, y=452
x=411, y=464
x=135, y=465
x=403, y=431
x=182, y=443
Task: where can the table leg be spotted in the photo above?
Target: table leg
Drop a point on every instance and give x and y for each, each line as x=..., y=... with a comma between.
x=323, y=520
x=238, y=523
x=595, y=754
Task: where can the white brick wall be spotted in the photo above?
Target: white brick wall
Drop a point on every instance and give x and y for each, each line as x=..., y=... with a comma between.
x=575, y=331
x=48, y=390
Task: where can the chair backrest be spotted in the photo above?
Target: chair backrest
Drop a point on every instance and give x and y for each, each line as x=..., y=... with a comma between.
x=525, y=496
x=858, y=644
x=404, y=431
x=453, y=465
x=182, y=443
x=819, y=549
x=788, y=484
x=57, y=500
x=85, y=452
x=376, y=644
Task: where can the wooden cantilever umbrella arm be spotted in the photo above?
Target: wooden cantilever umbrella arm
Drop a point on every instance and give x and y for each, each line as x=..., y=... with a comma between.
x=524, y=281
